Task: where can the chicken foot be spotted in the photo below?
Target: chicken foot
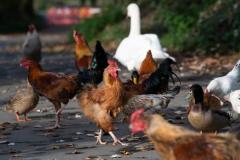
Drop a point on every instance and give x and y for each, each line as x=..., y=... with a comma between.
x=22, y=120
x=99, y=137
x=116, y=140
x=26, y=118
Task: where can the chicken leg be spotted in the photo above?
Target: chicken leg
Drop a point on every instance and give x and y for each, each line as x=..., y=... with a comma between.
x=99, y=138
x=58, y=113
x=116, y=140
x=58, y=109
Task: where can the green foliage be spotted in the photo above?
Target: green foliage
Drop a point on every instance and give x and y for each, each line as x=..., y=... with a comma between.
x=179, y=17
x=92, y=27
x=201, y=26
x=218, y=27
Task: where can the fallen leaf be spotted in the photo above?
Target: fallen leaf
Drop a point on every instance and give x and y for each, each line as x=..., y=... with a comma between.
x=78, y=133
x=116, y=156
x=11, y=144
x=90, y=135
x=3, y=142
x=94, y=158
x=78, y=116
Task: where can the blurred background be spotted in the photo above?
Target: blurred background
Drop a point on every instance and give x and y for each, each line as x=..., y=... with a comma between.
x=199, y=27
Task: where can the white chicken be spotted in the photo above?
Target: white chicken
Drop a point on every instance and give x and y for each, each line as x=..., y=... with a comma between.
x=222, y=86
x=234, y=99
x=32, y=46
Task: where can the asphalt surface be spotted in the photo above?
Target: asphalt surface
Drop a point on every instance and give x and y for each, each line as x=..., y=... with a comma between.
x=75, y=140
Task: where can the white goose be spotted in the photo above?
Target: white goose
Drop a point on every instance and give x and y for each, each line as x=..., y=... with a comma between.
x=222, y=86
x=133, y=49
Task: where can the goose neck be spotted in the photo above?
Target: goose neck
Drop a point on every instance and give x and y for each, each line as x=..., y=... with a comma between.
x=135, y=24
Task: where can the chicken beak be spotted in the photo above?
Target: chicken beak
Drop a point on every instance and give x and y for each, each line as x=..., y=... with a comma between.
x=188, y=96
x=135, y=80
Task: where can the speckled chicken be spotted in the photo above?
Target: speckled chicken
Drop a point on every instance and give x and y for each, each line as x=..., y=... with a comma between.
x=178, y=143
x=148, y=101
x=25, y=100
x=201, y=116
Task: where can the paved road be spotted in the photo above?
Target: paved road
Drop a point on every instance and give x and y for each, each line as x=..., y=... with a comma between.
x=75, y=140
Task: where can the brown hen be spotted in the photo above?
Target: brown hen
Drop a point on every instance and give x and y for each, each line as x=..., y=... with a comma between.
x=147, y=67
x=102, y=104
x=178, y=143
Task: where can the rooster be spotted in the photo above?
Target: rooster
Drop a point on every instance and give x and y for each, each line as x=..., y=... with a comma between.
x=158, y=80
x=94, y=75
x=178, y=143
x=83, y=53
x=57, y=88
x=32, y=46
x=101, y=104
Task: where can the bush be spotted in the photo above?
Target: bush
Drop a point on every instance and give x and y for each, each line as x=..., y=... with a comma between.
x=217, y=29
x=16, y=15
x=92, y=27
x=200, y=26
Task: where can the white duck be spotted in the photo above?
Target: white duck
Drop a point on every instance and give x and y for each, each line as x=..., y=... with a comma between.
x=222, y=86
x=133, y=49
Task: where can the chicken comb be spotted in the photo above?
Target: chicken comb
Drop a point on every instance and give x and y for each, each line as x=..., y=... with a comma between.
x=135, y=115
x=112, y=63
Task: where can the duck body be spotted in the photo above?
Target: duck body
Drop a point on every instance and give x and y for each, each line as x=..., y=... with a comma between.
x=200, y=115
x=208, y=120
x=133, y=49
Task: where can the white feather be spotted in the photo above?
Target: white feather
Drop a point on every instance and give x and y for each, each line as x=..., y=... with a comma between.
x=222, y=86
x=234, y=98
x=133, y=49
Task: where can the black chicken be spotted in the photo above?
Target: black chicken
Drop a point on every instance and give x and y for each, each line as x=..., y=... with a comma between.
x=158, y=80
x=94, y=75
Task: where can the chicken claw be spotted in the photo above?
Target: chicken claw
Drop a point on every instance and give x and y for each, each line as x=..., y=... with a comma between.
x=18, y=119
x=116, y=140
x=99, y=138
x=26, y=118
